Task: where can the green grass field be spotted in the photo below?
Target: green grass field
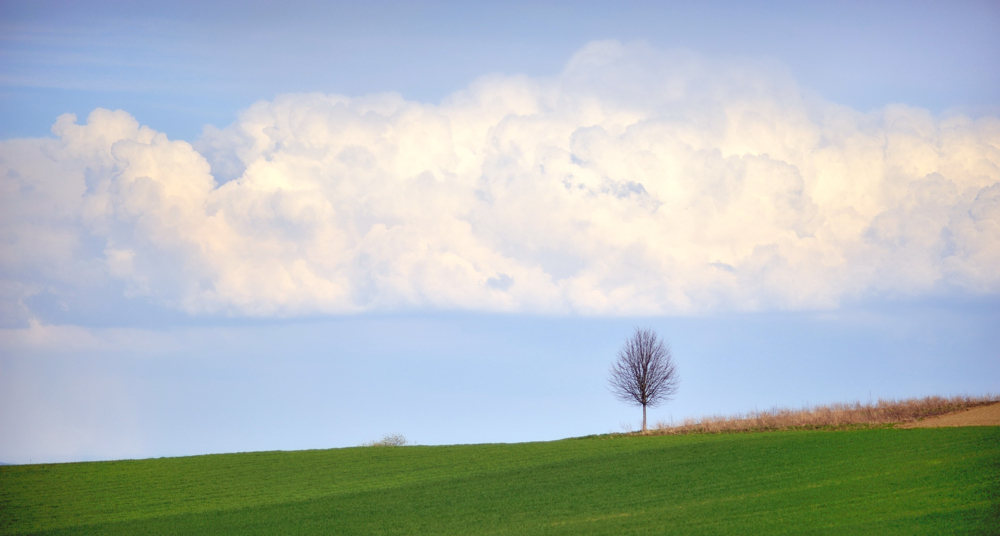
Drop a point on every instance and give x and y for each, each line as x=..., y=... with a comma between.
x=876, y=481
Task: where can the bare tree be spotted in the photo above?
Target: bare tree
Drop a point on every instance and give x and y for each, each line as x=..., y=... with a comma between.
x=644, y=374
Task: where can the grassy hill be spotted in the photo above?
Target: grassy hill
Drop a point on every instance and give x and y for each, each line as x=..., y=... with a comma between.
x=867, y=481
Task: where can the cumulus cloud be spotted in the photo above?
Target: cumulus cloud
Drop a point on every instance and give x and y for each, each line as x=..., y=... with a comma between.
x=636, y=181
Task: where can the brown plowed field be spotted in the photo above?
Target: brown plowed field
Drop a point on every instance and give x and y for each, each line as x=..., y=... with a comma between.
x=981, y=416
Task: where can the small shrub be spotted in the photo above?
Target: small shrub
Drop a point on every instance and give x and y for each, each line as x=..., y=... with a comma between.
x=391, y=440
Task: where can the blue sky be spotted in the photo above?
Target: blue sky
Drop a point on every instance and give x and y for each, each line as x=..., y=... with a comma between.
x=182, y=65
x=311, y=226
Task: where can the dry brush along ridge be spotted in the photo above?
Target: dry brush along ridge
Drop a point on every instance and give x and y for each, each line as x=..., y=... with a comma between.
x=909, y=412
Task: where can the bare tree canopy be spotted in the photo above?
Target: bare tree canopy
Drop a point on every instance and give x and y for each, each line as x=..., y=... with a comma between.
x=644, y=373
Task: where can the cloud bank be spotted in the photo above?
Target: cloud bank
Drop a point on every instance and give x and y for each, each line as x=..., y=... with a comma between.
x=636, y=181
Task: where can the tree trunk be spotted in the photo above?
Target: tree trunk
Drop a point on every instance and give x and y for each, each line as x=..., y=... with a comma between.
x=644, y=418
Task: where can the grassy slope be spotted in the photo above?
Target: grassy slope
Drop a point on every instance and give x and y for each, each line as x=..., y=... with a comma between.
x=929, y=481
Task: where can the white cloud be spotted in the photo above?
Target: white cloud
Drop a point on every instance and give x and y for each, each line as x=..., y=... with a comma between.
x=636, y=181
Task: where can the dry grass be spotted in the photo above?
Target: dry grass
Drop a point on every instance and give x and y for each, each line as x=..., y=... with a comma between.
x=835, y=416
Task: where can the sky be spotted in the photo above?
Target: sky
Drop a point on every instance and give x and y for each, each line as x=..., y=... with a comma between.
x=273, y=226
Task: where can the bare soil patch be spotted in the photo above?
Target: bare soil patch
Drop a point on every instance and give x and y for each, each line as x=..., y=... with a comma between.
x=981, y=416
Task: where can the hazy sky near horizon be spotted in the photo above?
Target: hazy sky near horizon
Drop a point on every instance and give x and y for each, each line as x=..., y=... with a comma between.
x=239, y=228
